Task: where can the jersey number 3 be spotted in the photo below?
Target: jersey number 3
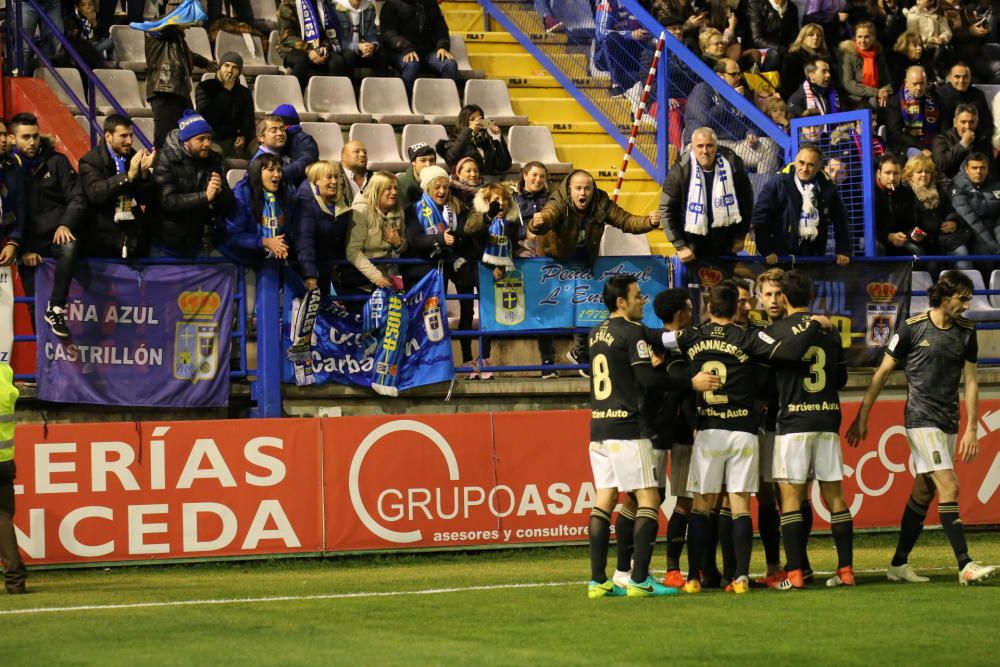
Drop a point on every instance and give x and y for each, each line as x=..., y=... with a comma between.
x=816, y=381
x=602, y=377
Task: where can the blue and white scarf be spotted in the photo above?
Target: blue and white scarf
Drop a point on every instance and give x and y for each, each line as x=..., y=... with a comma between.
x=497, y=252
x=125, y=203
x=725, y=211
x=435, y=220
x=313, y=25
x=271, y=219
x=809, y=216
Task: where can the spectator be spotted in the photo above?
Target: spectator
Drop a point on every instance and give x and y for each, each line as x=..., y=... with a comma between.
x=12, y=200
x=421, y=155
x=321, y=226
x=242, y=10
x=80, y=20
x=106, y=13
x=300, y=149
x=414, y=34
x=946, y=233
x=887, y=17
x=376, y=232
x=193, y=195
x=974, y=44
x=959, y=90
x=571, y=226
x=479, y=138
x=829, y=16
x=170, y=65
x=954, y=145
x=358, y=35
x=552, y=23
x=897, y=231
x=712, y=46
x=226, y=105
x=54, y=214
x=913, y=117
x=355, y=172
x=816, y=92
x=466, y=181
x=46, y=41
x=864, y=72
x=837, y=171
x=808, y=46
x=117, y=182
x=975, y=199
x=908, y=51
x=707, y=201
x=322, y=56
x=776, y=109
x=622, y=47
x=256, y=227
x=927, y=20
x=774, y=25
x=722, y=17
x=794, y=210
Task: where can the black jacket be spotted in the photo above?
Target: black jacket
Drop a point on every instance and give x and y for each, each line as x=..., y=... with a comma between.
x=413, y=25
x=776, y=218
x=895, y=212
x=949, y=153
x=102, y=186
x=183, y=209
x=769, y=30
x=319, y=237
x=53, y=198
x=899, y=139
x=170, y=64
x=229, y=112
x=951, y=98
x=12, y=193
x=492, y=155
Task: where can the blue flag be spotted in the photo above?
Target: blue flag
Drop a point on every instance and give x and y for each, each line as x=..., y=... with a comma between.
x=188, y=13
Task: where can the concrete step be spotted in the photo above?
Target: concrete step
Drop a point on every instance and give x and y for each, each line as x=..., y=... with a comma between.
x=509, y=64
x=599, y=156
x=545, y=111
x=547, y=93
x=464, y=20
x=494, y=48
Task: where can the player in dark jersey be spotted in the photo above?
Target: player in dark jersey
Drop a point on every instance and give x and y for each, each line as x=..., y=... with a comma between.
x=621, y=455
x=935, y=347
x=807, y=444
x=726, y=447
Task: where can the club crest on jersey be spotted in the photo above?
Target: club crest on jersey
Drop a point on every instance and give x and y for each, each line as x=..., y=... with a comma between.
x=508, y=294
x=433, y=324
x=764, y=337
x=642, y=349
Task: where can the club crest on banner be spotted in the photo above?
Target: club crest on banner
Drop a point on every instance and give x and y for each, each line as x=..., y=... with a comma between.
x=433, y=324
x=882, y=313
x=196, y=340
x=509, y=299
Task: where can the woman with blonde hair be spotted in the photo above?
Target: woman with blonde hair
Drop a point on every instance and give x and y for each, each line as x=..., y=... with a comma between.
x=906, y=52
x=810, y=44
x=321, y=226
x=944, y=230
x=376, y=232
x=712, y=46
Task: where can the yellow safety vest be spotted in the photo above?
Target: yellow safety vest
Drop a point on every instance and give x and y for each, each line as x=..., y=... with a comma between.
x=8, y=396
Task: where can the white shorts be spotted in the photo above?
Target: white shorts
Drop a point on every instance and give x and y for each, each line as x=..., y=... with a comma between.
x=660, y=459
x=932, y=448
x=767, y=456
x=724, y=457
x=680, y=468
x=799, y=457
x=626, y=465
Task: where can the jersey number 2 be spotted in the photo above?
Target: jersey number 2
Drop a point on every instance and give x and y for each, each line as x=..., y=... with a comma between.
x=715, y=368
x=602, y=377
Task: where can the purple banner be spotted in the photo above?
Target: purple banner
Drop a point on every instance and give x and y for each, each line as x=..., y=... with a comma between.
x=159, y=336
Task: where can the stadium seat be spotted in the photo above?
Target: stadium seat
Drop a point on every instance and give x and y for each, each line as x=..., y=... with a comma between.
x=82, y=120
x=144, y=125
x=265, y=12
x=332, y=97
x=130, y=47
x=124, y=86
x=272, y=90
x=253, y=60
x=989, y=90
x=234, y=176
x=994, y=299
x=72, y=79
x=461, y=54
x=385, y=99
x=494, y=99
x=437, y=100
x=328, y=137
x=534, y=142
x=429, y=134
x=920, y=281
x=273, y=57
x=380, y=140
x=197, y=40
x=980, y=309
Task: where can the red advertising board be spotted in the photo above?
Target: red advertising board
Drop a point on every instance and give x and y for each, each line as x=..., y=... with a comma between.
x=136, y=491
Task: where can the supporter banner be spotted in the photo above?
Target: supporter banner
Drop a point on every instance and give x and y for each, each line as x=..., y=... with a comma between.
x=140, y=491
x=546, y=294
x=6, y=314
x=864, y=301
x=413, y=341
x=159, y=336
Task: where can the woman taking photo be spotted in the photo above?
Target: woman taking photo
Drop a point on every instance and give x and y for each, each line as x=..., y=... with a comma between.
x=478, y=138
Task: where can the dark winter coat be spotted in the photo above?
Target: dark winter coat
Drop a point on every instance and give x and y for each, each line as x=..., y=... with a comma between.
x=674, y=200
x=413, y=25
x=409, y=188
x=170, y=63
x=899, y=139
x=183, y=207
x=949, y=153
x=319, y=237
x=12, y=194
x=951, y=98
x=706, y=108
x=770, y=30
x=930, y=220
x=53, y=198
x=979, y=207
x=228, y=112
x=776, y=212
x=895, y=212
x=102, y=186
x=242, y=240
x=301, y=151
x=492, y=155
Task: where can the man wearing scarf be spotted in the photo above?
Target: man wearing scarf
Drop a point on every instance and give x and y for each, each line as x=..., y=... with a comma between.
x=816, y=92
x=913, y=116
x=794, y=210
x=54, y=215
x=117, y=183
x=308, y=41
x=707, y=200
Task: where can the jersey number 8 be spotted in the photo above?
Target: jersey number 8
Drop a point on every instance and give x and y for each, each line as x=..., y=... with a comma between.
x=602, y=377
x=715, y=368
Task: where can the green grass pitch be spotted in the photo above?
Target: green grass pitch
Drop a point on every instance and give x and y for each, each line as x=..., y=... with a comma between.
x=382, y=610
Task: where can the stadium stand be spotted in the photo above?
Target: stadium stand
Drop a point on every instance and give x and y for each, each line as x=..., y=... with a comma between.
x=328, y=136
x=385, y=99
x=429, y=133
x=332, y=97
x=437, y=100
x=380, y=140
x=272, y=90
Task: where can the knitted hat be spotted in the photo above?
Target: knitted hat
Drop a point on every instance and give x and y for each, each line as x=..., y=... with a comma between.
x=429, y=174
x=419, y=150
x=192, y=124
x=287, y=113
x=232, y=57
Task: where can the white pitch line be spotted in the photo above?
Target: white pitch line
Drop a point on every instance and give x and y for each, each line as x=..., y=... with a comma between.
x=345, y=596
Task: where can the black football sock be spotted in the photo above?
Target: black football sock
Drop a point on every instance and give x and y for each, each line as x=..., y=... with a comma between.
x=842, y=526
x=807, y=526
x=647, y=521
x=711, y=545
x=624, y=538
x=727, y=544
x=742, y=543
x=768, y=522
x=676, y=533
x=791, y=534
x=697, y=530
x=909, y=530
x=599, y=530
x=955, y=530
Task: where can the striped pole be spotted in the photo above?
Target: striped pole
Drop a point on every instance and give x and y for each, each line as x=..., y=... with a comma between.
x=639, y=112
